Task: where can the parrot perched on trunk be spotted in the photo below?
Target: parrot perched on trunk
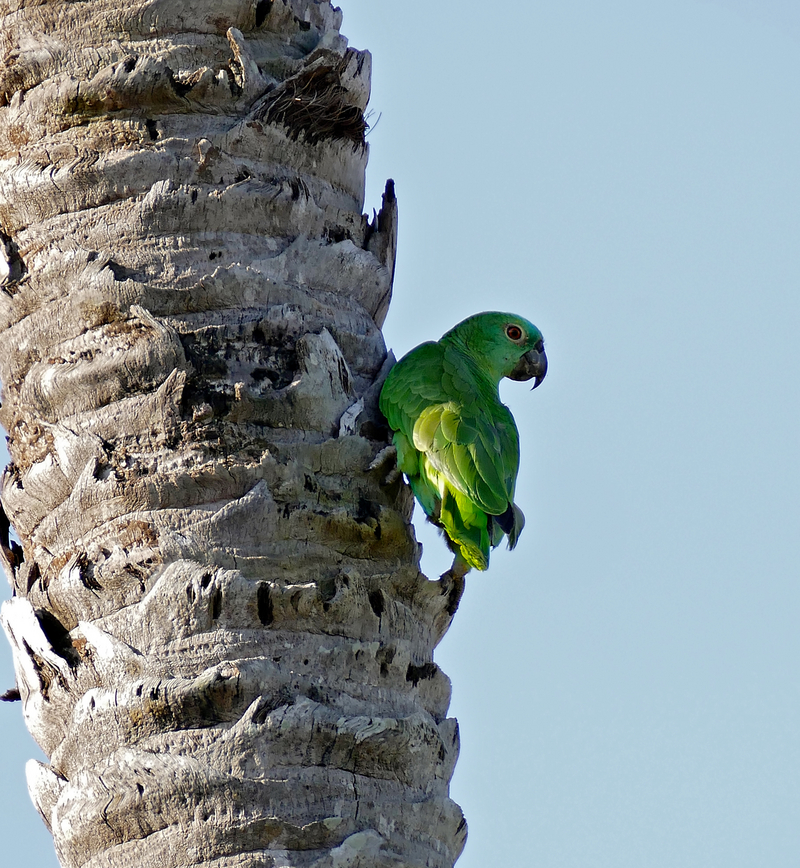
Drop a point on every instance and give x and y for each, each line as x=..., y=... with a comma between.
x=456, y=441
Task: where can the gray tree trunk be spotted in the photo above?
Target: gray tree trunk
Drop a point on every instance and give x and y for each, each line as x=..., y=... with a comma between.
x=221, y=635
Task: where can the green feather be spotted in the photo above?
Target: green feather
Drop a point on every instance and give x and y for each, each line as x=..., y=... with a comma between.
x=456, y=441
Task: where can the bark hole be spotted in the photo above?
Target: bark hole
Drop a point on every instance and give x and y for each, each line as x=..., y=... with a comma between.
x=120, y=272
x=86, y=573
x=415, y=674
x=376, y=601
x=266, y=613
x=12, y=267
x=216, y=604
x=385, y=656
x=57, y=635
x=367, y=509
x=179, y=87
x=327, y=589
x=263, y=8
x=34, y=574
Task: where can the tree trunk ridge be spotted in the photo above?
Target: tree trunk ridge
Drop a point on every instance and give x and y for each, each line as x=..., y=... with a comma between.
x=221, y=634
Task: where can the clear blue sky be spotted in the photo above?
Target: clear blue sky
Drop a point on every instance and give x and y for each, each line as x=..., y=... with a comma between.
x=627, y=176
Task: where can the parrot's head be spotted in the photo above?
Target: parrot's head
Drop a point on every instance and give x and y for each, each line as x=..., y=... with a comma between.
x=504, y=344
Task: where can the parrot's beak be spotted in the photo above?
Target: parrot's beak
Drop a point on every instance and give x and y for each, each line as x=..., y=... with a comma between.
x=532, y=364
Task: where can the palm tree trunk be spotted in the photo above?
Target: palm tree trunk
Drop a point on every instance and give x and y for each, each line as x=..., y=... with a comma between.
x=221, y=635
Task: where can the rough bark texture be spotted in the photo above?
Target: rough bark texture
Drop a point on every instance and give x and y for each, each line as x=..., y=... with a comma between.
x=222, y=638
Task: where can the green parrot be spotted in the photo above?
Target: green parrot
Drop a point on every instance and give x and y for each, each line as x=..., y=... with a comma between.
x=456, y=441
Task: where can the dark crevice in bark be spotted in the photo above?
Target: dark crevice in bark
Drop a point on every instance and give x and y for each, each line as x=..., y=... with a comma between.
x=263, y=8
x=58, y=637
x=376, y=602
x=415, y=674
x=266, y=613
x=180, y=88
x=13, y=268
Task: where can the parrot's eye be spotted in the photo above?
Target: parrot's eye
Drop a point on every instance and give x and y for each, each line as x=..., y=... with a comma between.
x=514, y=332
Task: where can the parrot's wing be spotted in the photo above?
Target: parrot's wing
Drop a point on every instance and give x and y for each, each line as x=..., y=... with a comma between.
x=413, y=384
x=477, y=452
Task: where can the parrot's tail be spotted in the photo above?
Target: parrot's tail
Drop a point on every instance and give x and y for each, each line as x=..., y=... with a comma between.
x=509, y=524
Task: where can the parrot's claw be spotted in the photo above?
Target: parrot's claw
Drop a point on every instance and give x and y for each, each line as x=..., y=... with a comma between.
x=386, y=455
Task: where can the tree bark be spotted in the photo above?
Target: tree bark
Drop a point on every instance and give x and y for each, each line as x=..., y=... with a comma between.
x=221, y=635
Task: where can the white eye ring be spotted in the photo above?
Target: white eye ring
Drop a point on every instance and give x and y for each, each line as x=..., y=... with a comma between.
x=513, y=332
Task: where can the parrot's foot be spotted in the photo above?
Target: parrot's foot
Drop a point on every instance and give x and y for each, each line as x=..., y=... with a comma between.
x=453, y=583
x=387, y=454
